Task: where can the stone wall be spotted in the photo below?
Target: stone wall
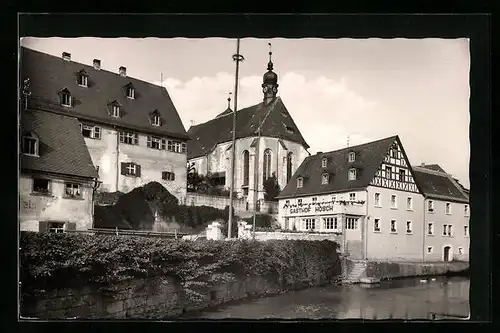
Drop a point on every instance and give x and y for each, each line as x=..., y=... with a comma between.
x=240, y=205
x=386, y=269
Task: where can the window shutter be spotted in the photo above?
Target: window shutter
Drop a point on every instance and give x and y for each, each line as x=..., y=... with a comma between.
x=137, y=170
x=163, y=175
x=124, y=168
x=122, y=136
x=163, y=144
x=71, y=226
x=183, y=147
x=42, y=226
x=136, y=138
x=149, y=141
x=97, y=132
x=172, y=177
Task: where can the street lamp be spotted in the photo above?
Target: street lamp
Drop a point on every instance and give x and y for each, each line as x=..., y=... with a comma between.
x=238, y=58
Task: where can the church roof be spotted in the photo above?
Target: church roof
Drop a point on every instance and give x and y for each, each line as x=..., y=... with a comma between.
x=369, y=157
x=62, y=147
x=50, y=75
x=275, y=118
x=438, y=184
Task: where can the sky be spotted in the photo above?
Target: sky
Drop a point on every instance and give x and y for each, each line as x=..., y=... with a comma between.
x=337, y=90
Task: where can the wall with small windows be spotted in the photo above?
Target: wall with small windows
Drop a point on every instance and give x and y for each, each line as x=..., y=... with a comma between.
x=54, y=204
x=128, y=159
x=447, y=225
x=394, y=224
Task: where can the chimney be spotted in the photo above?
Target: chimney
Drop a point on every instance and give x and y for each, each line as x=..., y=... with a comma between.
x=319, y=152
x=422, y=165
x=97, y=64
x=66, y=56
x=123, y=71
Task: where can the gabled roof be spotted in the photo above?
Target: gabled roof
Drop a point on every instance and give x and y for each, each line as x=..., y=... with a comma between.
x=62, y=148
x=369, y=157
x=50, y=74
x=438, y=185
x=273, y=116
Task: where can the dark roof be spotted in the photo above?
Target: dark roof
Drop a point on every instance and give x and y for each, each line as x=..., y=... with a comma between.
x=369, y=157
x=50, y=75
x=274, y=117
x=62, y=147
x=433, y=167
x=438, y=185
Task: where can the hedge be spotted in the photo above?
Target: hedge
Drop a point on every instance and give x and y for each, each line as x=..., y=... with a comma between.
x=60, y=260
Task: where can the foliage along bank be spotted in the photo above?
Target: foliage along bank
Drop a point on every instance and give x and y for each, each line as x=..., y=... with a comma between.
x=58, y=260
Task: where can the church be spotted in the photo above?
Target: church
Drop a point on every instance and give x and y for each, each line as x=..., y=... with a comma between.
x=268, y=143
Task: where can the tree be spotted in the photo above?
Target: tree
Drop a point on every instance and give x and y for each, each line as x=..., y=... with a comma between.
x=271, y=188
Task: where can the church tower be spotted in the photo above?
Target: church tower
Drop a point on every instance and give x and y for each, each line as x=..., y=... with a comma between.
x=270, y=81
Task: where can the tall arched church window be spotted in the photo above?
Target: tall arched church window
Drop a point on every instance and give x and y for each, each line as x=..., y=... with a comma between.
x=267, y=164
x=246, y=167
x=289, y=166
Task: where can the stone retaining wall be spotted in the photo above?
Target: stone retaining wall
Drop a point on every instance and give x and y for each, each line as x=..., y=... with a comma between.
x=385, y=269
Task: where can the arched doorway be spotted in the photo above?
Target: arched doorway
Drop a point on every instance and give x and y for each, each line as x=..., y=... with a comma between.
x=447, y=253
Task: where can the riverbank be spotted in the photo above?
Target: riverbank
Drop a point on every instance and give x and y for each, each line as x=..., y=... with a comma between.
x=384, y=270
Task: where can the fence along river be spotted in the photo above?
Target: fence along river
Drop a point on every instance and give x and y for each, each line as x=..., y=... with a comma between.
x=415, y=298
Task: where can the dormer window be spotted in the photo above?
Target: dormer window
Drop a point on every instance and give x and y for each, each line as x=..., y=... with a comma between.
x=352, y=174
x=130, y=91
x=115, y=111
x=325, y=177
x=300, y=182
x=324, y=162
x=30, y=144
x=352, y=157
x=289, y=129
x=83, y=79
x=156, y=120
x=65, y=97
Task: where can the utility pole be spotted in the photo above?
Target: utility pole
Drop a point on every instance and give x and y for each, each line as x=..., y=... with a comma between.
x=238, y=58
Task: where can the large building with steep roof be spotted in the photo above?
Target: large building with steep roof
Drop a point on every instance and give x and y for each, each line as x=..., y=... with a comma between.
x=268, y=142
x=131, y=128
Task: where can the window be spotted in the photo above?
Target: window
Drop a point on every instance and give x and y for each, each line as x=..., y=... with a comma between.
x=394, y=201
x=429, y=249
x=82, y=80
x=466, y=210
x=430, y=206
x=377, y=200
x=460, y=250
x=409, y=203
x=156, y=143
x=352, y=196
x=129, y=138
x=289, y=129
x=65, y=98
x=325, y=178
x=300, y=182
x=447, y=230
x=115, y=111
x=130, y=169
x=376, y=225
x=388, y=172
x=92, y=132
x=448, y=208
x=289, y=165
x=166, y=175
x=466, y=231
x=352, y=157
x=351, y=223
x=176, y=146
x=246, y=167
x=394, y=152
x=41, y=186
x=310, y=224
x=430, y=228
x=352, y=174
x=393, y=226
x=324, y=162
x=266, y=164
x=156, y=120
x=130, y=92
x=57, y=227
x=73, y=190
x=408, y=227
x=330, y=223
x=402, y=174
x=30, y=144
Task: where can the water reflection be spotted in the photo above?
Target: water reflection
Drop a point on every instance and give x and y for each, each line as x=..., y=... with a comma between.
x=398, y=299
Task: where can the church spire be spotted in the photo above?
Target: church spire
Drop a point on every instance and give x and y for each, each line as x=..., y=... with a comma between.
x=270, y=80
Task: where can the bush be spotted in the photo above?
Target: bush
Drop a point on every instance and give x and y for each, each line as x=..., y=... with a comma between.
x=53, y=261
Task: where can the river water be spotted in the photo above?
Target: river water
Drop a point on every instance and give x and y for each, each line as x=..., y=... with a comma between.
x=396, y=299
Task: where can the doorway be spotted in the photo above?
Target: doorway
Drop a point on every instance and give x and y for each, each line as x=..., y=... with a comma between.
x=446, y=254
